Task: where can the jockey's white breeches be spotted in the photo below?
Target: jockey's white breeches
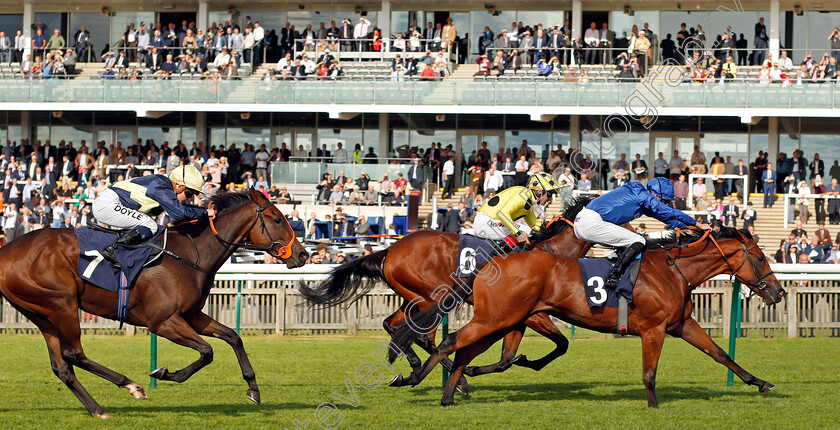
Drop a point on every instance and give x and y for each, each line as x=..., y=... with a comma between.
x=589, y=226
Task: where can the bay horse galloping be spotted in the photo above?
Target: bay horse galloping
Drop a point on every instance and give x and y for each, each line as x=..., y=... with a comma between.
x=420, y=268
x=167, y=297
x=538, y=282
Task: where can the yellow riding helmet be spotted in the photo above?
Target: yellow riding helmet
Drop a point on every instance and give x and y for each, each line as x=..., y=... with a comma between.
x=187, y=176
x=542, y=181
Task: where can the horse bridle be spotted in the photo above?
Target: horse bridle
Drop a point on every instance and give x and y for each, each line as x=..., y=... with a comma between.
x=282, y=251
x=761, y=283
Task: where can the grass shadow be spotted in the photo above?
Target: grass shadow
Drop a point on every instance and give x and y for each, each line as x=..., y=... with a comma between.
x=146, y=408
x=583, y=392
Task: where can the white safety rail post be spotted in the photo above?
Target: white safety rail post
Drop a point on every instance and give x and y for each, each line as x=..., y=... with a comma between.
x=693, y=176
x=787, y=198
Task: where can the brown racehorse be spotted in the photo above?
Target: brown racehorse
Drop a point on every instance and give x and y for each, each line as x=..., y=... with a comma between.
x=538, y=282
x=167, y=297
x=420, y=268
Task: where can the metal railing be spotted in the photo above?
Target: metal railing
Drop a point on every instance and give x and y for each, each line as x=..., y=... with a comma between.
x=271, y=303
x=530, y=93
x=790, y=199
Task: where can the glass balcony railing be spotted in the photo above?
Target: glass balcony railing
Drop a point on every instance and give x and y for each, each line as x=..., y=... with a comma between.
x=313, y=172
x=443, y=93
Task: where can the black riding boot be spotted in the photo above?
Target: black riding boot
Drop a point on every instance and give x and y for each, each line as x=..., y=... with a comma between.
x=130, y=237
x=624, y=259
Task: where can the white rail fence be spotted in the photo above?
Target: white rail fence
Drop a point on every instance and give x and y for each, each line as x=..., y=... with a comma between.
x=271, y=303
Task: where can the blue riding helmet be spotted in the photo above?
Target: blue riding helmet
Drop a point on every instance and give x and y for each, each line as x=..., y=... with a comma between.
x=662, y=188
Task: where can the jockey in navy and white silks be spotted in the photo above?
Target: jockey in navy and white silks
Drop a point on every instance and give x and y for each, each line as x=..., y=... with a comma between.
x=133, y=203
x=601, y=220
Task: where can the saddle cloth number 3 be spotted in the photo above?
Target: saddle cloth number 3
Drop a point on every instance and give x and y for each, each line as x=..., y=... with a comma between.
x=597, y=285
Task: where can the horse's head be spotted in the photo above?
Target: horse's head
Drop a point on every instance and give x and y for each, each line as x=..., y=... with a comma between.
x=272, y=231
x=754, y=270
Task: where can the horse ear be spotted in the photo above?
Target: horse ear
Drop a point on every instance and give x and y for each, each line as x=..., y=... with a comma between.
x=256, y=195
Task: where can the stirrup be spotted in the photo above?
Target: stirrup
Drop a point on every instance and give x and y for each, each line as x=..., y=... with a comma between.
x=108, y=253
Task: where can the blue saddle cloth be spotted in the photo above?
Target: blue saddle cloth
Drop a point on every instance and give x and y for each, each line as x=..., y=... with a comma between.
x=594, y=272
x=102, y=273
x=473, y=252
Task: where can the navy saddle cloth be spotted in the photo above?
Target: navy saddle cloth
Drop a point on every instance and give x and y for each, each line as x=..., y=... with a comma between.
x=104, y=274
x=473, y=252
x=594, y=272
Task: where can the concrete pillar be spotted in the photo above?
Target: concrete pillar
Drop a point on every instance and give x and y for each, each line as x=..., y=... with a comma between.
x=28, y=20
x=384, y=136
x=25, y=124
x=775, y=25
x=772, y=139
x=385, y=22
x=201, y=126
x=574, y=131
x=577, y=19
x=203, y=16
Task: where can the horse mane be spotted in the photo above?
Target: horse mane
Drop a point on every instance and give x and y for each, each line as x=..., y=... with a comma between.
x=688, y=237
x=557, y=227
x=227, y=202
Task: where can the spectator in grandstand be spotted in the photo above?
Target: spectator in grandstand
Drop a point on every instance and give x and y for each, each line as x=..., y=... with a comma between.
x=371, y=196
x=493, y=181
x=336, y=196
x=5, y=48
x=729, y=169
x=483, y=65
x=370, y=157
x=802, y=201
x=398, y=75
x=10, y=221
x=823, y=236
x=769, y=178
x=718, y=168
x=832, y=256
x=675, y=166
x=344, y=228
x=833, y=190
x=814, y=251
x=783, y=255
x=792, y=191
x=416, y=175
x=681, y=193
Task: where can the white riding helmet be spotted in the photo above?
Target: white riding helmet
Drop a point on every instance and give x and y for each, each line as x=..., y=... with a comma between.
x=187, y=176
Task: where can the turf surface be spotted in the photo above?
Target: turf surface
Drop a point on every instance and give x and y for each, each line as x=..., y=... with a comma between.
x=597, y=384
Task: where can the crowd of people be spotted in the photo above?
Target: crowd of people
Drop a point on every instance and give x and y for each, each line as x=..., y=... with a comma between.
x=166, y=49
x=821, y=247
x=49, y=186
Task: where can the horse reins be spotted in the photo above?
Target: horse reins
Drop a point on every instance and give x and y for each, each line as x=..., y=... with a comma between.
x=283, y=251
x=762, y=284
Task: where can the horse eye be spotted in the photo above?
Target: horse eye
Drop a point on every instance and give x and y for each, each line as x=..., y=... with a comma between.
x=761, y=258
x=278, y=220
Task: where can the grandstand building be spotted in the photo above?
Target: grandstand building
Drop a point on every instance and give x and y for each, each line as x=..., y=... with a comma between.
x=738, y=118
x=662, y=106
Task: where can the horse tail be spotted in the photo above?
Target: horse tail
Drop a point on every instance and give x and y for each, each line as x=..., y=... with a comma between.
x=425, y=322
x=347, y=282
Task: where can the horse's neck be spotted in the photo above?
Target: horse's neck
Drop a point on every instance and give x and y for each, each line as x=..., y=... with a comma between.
x=700, y=266
x=212, y=253
x=564, y=243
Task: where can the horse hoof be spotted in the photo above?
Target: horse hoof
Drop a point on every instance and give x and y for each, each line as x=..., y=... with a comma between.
x=136, y=391
x=254, y=396
x=159, y=373
x=463, y=389
x=518, y=360
x=766, y=387
x=396, y=381
x=103, y=416
x=447, y=402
